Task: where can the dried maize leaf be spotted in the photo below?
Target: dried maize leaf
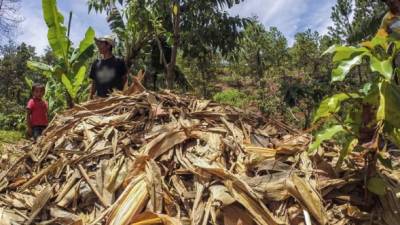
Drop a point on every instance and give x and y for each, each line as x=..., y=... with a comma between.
x=8, y=217
x=130, y=203
x=390, y=204
x=44, y=172
x=40, y=201
x=154, y=186
x=243, y=194
x=62, y=216
x=164, y=142
x=307, y=197
x=114, y=141
x=271, y=187
x=115, y=173
x=3, y=184
x=10, y=200
x=148, y=218
x=235, y=131
x=198, y=204
x=68, y=186
x=221, y=195
x=235, y=214
x=69, y=196
x=200, y=105
x=264, y=152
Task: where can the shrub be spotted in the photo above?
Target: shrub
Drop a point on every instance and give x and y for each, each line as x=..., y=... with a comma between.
x=232, y=97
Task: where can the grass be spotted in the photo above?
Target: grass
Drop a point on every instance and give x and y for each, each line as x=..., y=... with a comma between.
x=8, y=136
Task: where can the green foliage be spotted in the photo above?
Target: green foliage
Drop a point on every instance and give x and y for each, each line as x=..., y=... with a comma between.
x=389, y=105
x=161, y=28
x=16, y=79
x=232, y=97
x=348, y=147
x=379, y=98
x=332, y=105
x=324, y=135
x=354, y=21
x=377, y=186
x=10, y=136
x=57, y=32
x=260, y=49
x=12, y=121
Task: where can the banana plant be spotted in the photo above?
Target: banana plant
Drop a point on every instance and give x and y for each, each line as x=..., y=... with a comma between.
x=368, y=118
x=70, y=67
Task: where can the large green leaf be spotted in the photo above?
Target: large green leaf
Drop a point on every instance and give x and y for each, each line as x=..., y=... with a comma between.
x=344, y=68
x=389, y=107
x=353, y=118
x=346, y=53
x=79, y=78
x=393, y=135
x=88, y=40
x=84, y=52
x=377, y=186
x=330, y=50
x=370, y=91
x=346, y=150
x=379, y=40
x=67, y=84
x=42, y=68
x=57, y=33
x=323, y=135
x=332, y=105
x=384, y=68
x=28, y=82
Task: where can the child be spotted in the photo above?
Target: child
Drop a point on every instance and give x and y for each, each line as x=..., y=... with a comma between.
x=36, y=117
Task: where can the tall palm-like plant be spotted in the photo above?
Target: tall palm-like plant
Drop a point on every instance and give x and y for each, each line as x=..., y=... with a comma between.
x=69, y=71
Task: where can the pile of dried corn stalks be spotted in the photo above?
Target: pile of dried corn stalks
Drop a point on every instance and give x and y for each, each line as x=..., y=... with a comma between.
x=150, y=158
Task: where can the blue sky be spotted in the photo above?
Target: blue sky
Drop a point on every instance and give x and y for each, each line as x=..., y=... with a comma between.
x=290, y=16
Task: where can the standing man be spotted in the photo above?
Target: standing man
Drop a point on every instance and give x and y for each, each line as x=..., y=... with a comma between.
x=108, y=72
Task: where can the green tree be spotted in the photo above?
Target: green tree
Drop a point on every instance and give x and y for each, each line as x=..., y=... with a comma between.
x=190, y=26
x=357, y=20
x=308, y=82
x=14, y=89
x=13, y=70
x=368, y=115
x=262, y=50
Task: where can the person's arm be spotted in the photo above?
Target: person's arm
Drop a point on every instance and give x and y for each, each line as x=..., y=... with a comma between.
x=28, y=117
x=92, y=77
x=125, y=81
x=28, y=122
x=92, y=90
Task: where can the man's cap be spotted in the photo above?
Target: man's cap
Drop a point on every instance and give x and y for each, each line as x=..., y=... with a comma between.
x=108, y=38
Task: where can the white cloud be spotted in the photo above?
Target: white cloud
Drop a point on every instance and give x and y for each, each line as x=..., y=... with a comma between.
x=33, y=29
x=289, y=16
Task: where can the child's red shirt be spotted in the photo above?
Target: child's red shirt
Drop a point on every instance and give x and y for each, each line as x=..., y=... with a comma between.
x=38, y=109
